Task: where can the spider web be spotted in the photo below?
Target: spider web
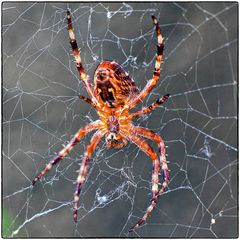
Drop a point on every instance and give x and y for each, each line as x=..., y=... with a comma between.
x=42, y=111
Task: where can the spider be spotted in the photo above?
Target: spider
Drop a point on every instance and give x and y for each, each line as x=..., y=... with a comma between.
x=113, y=95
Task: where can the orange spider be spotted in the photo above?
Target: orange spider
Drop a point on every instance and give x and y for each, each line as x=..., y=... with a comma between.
x=113, y=95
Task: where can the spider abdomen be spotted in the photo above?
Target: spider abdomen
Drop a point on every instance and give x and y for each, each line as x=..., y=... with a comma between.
x=113, y=85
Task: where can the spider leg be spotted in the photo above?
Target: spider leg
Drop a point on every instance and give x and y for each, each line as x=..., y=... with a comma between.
x=150, y=108
x=88, y=100
x=96, y=138
x=77, y=137
x=156, y=138
x=145, y=147
x=83, y=75
x=151, y=83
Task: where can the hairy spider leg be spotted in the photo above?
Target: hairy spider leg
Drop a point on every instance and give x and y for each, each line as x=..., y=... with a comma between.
x=156, y=138
x=151, y=83
x=96, y=138
x=88, y=100
x=145, y=147
x=77, y=137
x=151, y=107
x=83, y=75
x=162, y=150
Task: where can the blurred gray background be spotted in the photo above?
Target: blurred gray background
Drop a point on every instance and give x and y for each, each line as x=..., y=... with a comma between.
x=41, y=112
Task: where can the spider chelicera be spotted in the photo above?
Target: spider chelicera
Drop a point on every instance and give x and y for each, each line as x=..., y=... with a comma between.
x=113, y=95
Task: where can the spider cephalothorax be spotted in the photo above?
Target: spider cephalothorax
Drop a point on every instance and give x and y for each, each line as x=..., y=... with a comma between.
x=113, y=138
x=113, y=95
